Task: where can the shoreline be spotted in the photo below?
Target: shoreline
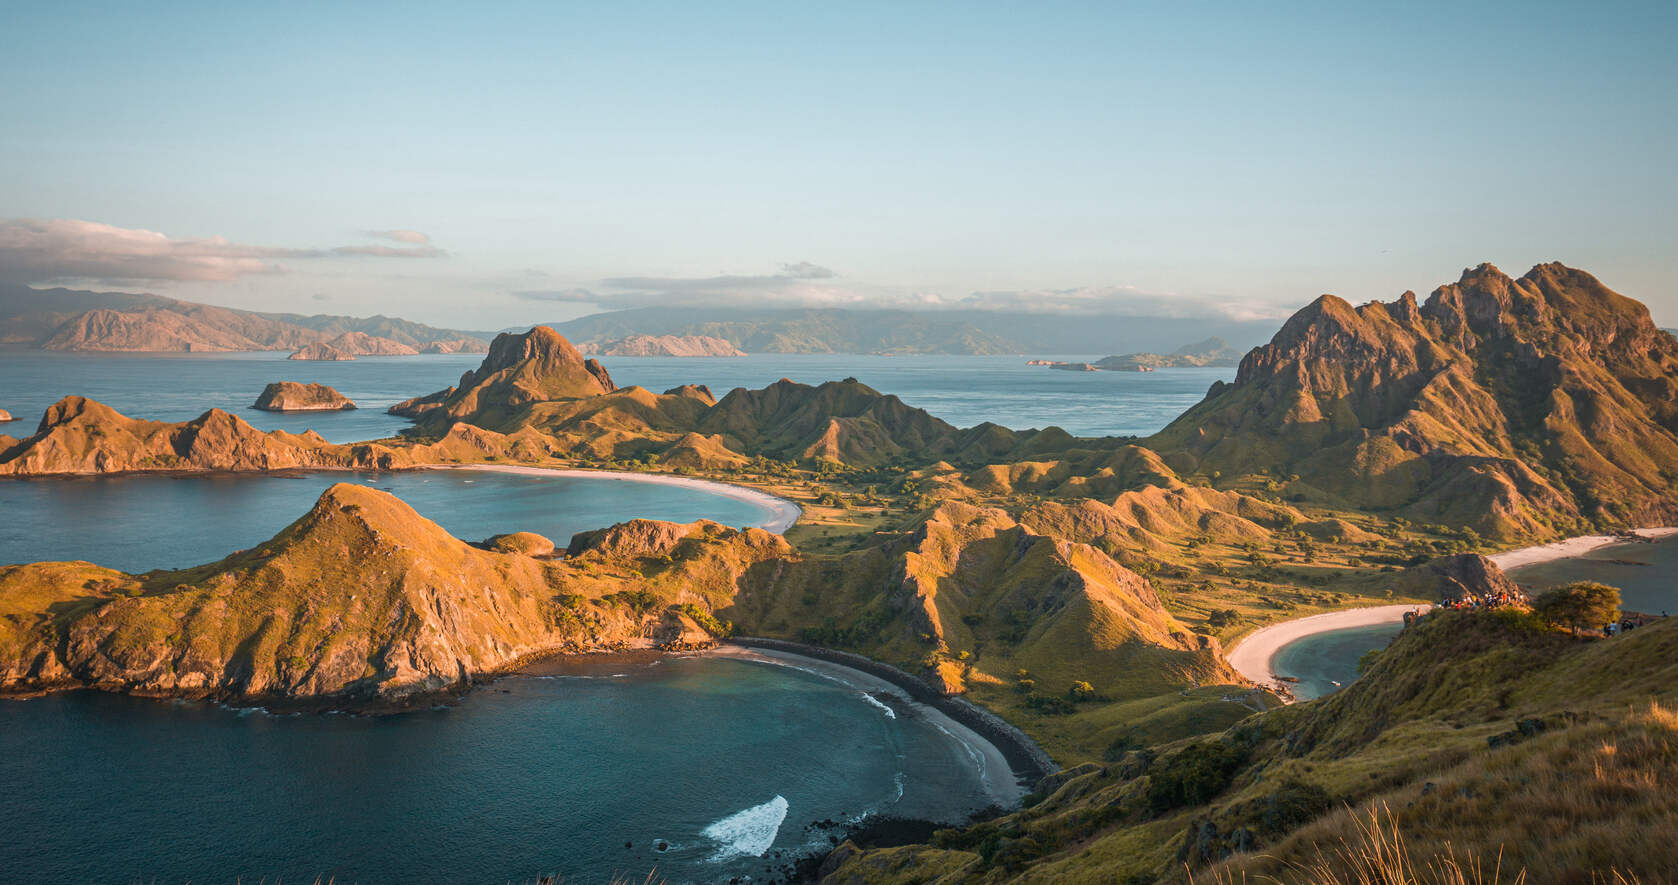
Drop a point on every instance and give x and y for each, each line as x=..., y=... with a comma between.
x=1567, y=548
x=1252, y=656
x=784, y=513
x=1026, y=762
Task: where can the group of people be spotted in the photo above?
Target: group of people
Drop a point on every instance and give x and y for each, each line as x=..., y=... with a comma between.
x=1629, y=622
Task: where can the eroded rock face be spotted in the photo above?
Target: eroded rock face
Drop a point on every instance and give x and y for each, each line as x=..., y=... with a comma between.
x=291, y=396
x=322, y=352
x=520, y=369
x=1499, y=403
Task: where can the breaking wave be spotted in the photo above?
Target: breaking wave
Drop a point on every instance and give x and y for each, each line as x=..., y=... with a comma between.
x=750, y=832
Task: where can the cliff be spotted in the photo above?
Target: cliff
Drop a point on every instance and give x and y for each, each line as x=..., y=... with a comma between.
x=664, y=345
x=290, y=396
x=1519, y=407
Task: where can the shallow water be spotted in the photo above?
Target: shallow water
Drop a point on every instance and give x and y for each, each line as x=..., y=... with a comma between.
x=960, y=389
x=1328, y=661
x=534, y=775
x=1646, y=573
x=140, y=521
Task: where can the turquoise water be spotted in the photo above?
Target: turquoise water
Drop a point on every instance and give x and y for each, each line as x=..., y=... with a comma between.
x=1643, y=572
x=1326, y=662
x=140, y=521
x=962, y=390
x=534, y=775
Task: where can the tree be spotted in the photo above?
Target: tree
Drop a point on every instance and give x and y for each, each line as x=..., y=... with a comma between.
x=1080, y=690
x=1580, y=604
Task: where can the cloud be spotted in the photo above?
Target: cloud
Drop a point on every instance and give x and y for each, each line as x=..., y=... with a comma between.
x=67, y=249
x=806, y=285
x=401, y=236
x=568, y=296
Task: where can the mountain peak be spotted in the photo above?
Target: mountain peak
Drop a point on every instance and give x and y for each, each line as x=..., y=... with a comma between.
x=520, y=369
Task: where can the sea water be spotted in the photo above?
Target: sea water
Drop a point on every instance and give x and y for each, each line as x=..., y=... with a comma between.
x=1643, y=571
x=961, y=390
x=139, y=521
x=584, y=773
x=1326, y=662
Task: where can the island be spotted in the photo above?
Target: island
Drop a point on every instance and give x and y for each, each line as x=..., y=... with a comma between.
x=321, y=352
x=292, y=396
x=1081, y=589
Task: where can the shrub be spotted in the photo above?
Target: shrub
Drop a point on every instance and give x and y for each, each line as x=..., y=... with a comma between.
x=1580, y=604
x=1194, y=775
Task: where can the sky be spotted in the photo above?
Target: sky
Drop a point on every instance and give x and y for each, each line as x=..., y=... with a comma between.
x=496, y=164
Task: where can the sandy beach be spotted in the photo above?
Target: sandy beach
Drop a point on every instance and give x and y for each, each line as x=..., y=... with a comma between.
x=784, y=512
x=1571, y=547
x=1251, y=657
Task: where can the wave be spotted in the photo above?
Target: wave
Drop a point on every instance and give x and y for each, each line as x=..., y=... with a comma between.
x=748, y=833
x=890, y=713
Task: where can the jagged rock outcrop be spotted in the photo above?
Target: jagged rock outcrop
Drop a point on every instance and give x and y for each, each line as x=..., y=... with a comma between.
x=520, y=369
x=293, y=396
x=664, y=345
x=79, y=435
x=321, y=352
x=1518, y=407
x=361, y=600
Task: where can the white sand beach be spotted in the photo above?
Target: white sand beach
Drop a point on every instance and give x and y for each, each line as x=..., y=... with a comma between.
x=784, y=512
x=1251, y=657
x=1570, y=547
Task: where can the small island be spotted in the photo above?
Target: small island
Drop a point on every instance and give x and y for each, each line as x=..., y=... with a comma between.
x=291, y=396
x=6, y=416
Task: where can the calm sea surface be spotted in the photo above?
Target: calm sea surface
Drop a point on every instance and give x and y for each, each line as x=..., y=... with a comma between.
x=1647, y=574
x=962, y=390
x=722, y=760
x=139, y=522
x=1326, y=662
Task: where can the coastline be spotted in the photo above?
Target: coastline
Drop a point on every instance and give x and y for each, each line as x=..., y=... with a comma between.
x=1025, y=762
x=1251, y=657
x=1571, y=547
x=785, y=513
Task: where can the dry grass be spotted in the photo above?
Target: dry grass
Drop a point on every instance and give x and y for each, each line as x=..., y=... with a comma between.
x=1595, y=803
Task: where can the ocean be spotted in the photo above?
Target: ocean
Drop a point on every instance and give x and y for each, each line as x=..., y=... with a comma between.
x=962, y=390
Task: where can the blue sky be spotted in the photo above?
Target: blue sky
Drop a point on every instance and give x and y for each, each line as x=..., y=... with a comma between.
x=1239, y=158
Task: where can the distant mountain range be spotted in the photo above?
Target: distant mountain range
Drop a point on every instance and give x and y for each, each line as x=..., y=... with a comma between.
x=908, y=331
x=70, y=320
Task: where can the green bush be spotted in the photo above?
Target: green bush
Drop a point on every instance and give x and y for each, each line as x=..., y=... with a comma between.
x=1194, y=775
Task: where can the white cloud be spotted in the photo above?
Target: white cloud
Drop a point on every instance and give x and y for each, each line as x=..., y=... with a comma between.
x=806, y=285
x=62, y=249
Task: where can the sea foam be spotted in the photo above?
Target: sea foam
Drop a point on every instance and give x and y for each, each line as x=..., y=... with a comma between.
x=749, y=832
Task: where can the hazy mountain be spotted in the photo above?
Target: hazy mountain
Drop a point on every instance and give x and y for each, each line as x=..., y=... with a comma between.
x=70, y=320
x=906, y=331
